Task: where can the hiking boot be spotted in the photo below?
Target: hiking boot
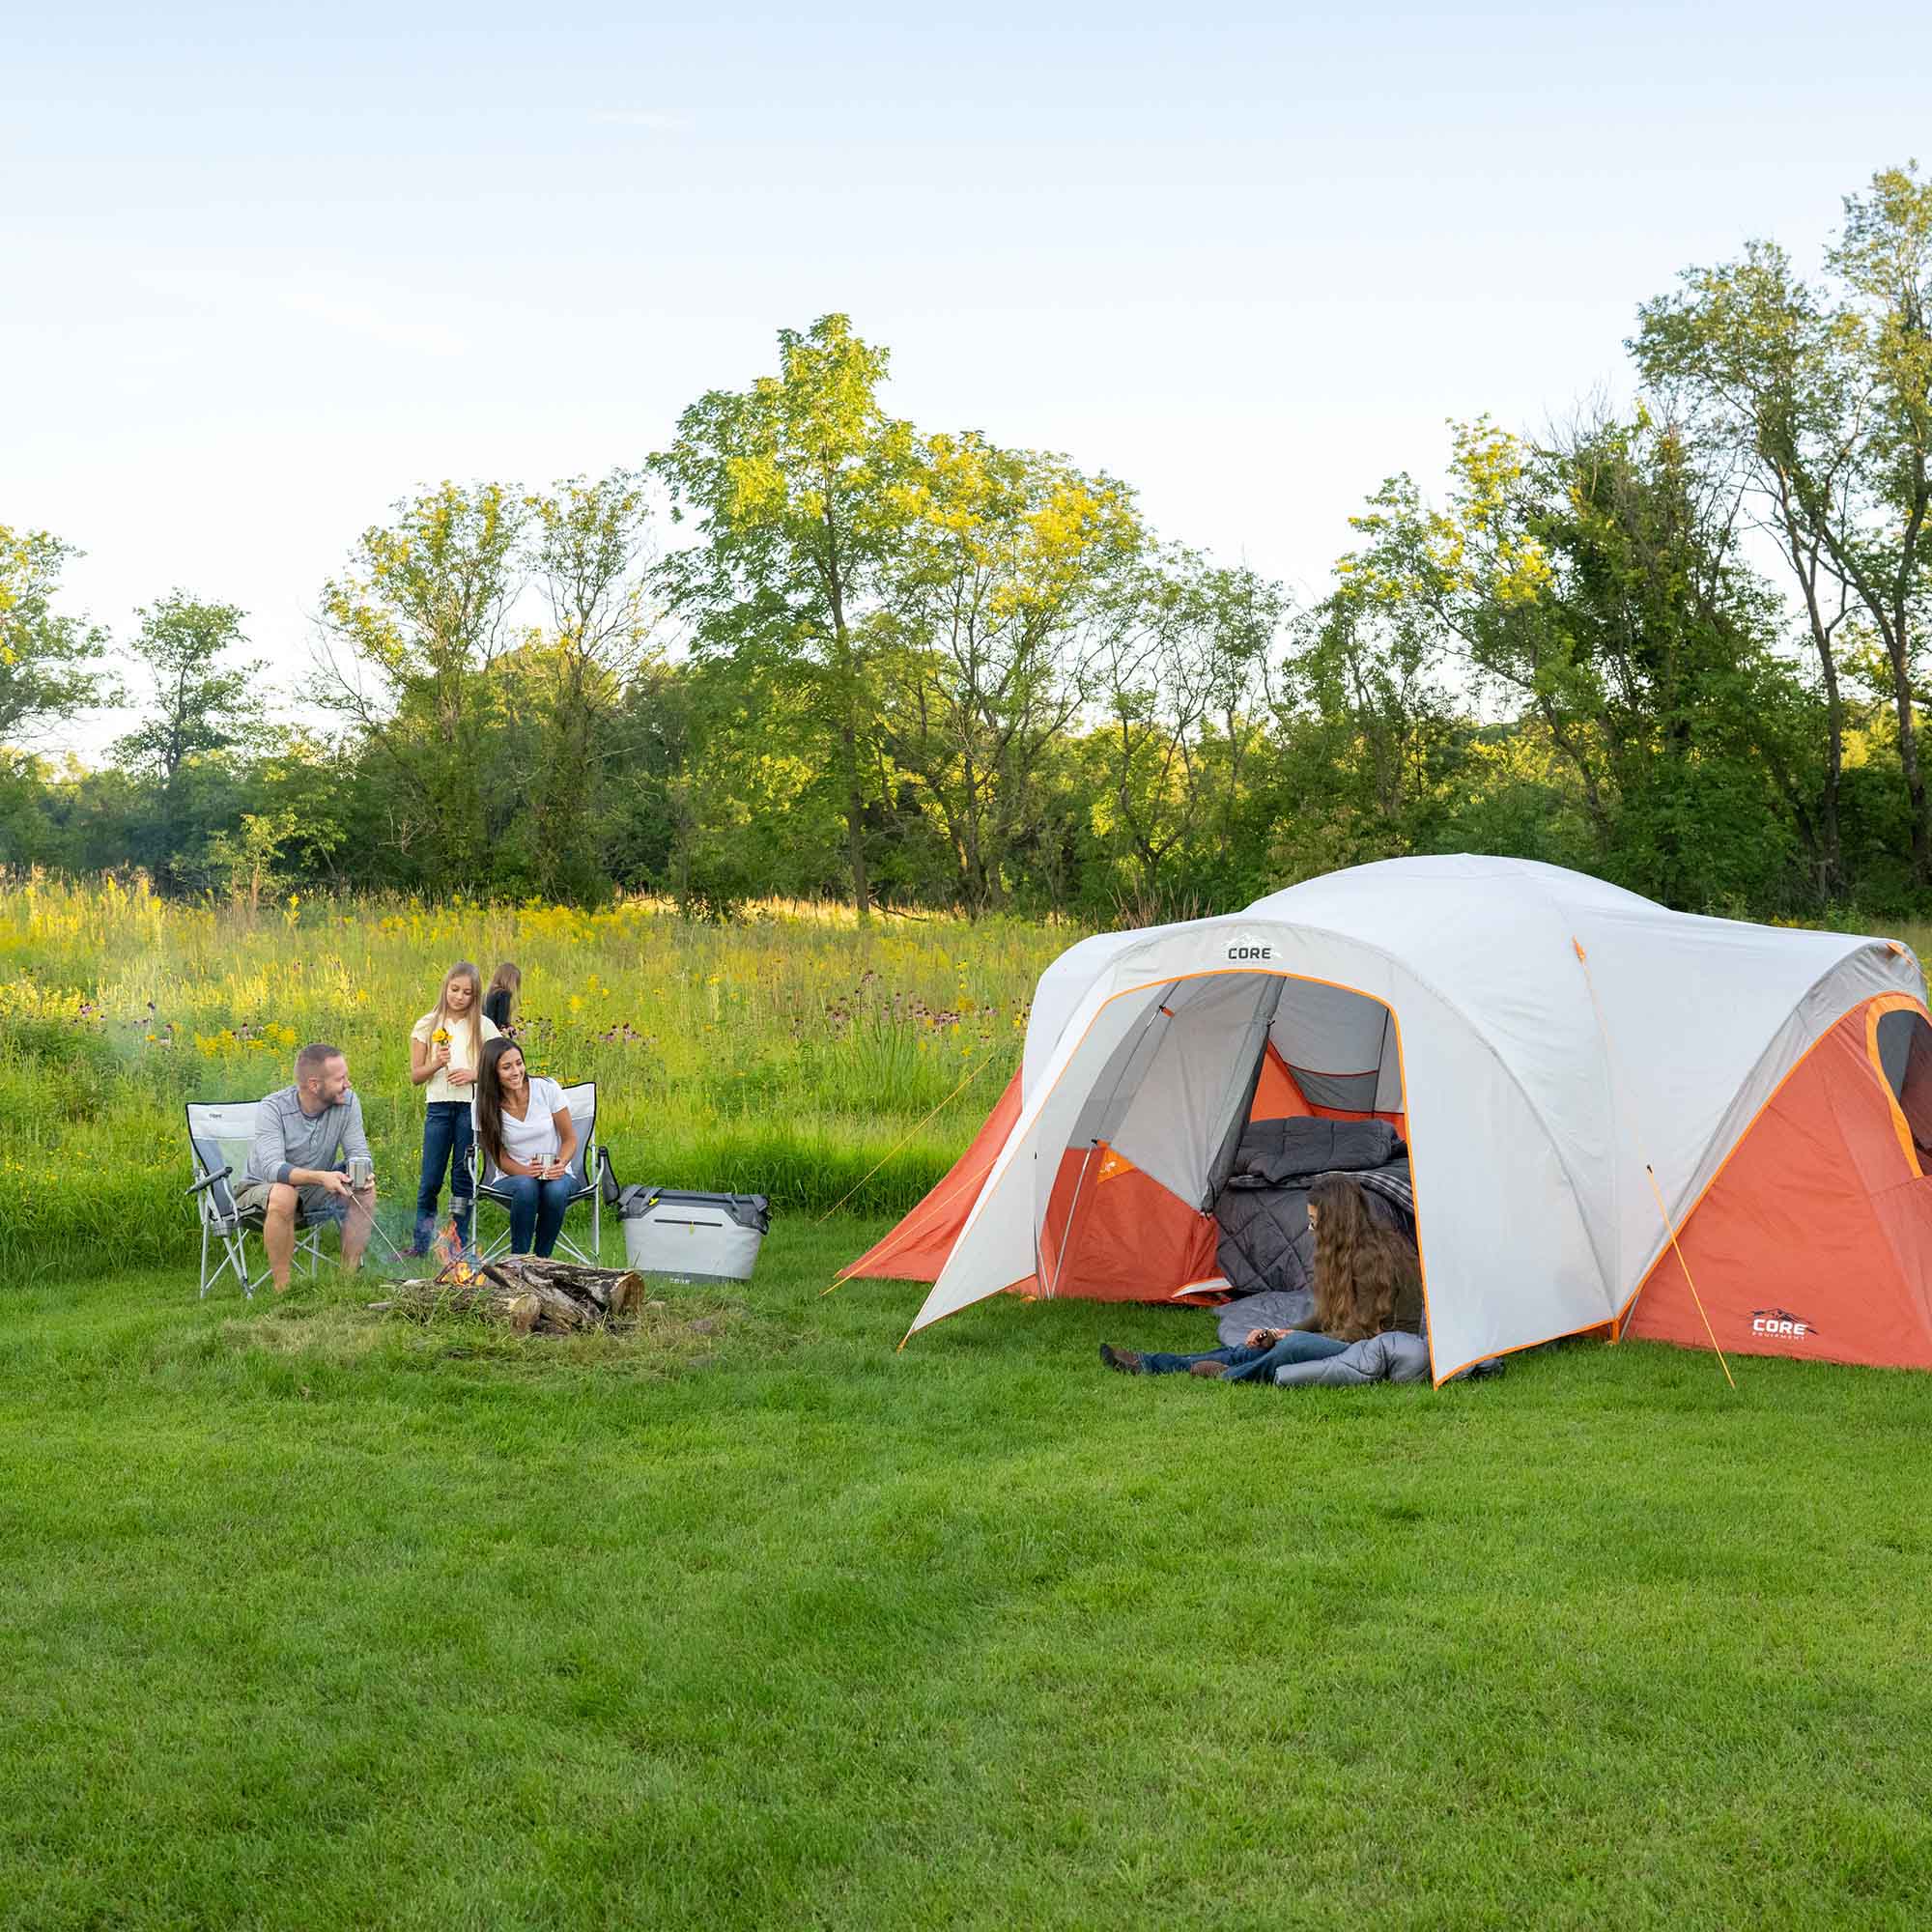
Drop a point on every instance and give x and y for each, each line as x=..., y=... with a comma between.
x=1123, y=1360
x=1215, y=1370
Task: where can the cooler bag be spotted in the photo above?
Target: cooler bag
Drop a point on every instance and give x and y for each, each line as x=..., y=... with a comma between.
x=694, y=1237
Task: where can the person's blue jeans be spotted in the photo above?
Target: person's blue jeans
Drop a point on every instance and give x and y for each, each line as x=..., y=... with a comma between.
x=536, y=1211
x=446, y=1147
x=1251, y=1365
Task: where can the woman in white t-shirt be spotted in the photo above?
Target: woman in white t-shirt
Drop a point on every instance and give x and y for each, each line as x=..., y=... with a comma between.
x=526, y=1130
x=445, y=1048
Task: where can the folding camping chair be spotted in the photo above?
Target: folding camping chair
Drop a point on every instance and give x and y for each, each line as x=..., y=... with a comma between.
x=590, y=1171
x=219, y=1136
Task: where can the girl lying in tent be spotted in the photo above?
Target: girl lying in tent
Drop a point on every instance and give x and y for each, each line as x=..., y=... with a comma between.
x=1367, y=1282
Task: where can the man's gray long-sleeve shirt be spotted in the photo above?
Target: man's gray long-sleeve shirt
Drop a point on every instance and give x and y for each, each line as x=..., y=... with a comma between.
x=285, y=1137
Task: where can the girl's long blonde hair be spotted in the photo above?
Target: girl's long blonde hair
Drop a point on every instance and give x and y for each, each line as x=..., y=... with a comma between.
x=463, y=969
x=1361, y=1269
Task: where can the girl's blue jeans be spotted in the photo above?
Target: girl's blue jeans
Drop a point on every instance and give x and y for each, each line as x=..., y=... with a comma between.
x=1251, y=1365
x=446, y=1147
x=536, y=1211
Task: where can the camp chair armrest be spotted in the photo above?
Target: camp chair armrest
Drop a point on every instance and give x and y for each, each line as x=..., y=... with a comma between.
x=207, y=1181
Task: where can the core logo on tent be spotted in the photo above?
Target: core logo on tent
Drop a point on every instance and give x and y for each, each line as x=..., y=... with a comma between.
x=1251, y=952
x=1780, y=1322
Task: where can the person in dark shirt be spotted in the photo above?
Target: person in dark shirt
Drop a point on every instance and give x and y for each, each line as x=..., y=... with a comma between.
x=505, y=983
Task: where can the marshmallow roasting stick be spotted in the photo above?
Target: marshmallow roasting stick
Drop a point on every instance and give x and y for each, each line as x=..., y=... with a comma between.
x=376, y=1228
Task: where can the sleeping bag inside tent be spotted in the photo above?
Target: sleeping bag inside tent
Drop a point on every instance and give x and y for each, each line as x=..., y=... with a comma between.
x=1537, y=1046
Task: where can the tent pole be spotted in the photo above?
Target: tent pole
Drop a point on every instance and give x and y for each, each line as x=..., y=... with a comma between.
x=1072, y=1210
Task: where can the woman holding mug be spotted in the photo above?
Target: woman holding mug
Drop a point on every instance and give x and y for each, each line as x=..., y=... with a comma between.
x=445, y=1048
x=524, y=1126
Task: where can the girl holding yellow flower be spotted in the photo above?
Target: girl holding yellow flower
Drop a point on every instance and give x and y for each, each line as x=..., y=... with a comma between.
x=445, y=1049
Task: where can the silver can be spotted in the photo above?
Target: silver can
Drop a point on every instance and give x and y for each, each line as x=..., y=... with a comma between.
x=362, y=1171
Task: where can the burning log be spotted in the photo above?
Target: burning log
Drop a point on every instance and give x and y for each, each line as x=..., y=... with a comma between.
x=527, y=1293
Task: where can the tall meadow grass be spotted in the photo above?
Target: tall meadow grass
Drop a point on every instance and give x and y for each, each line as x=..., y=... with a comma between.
x=790, y=1053
x=785, y=1054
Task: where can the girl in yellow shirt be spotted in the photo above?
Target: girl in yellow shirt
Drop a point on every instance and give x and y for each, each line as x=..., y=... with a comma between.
x=445, y=1049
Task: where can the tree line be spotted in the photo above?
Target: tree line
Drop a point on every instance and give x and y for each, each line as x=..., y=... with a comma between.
x=809, y=648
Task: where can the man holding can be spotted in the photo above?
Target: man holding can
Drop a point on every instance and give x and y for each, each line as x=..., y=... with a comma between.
x=310, y=1157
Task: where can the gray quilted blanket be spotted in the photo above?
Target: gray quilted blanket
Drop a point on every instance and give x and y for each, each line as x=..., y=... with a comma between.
x=1265, y=1245
x=1274, y=1152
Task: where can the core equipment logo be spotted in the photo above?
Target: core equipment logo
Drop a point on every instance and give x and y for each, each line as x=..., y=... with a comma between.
x=1250, y=949
x=1780, y=1322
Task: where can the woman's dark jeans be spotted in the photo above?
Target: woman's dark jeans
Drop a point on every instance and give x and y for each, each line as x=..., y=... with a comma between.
x=445, y=1146
x=537, y=1211
x=1251, y=1365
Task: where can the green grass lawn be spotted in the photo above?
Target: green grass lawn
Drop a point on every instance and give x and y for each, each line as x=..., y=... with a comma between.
x=314, y=1621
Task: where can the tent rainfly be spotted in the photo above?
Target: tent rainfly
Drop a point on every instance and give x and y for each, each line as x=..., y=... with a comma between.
x=1598, y=1094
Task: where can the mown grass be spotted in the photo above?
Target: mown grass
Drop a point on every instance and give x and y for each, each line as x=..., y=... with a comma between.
x=747, y=1619
x=318, y=1622
x=791, y=1054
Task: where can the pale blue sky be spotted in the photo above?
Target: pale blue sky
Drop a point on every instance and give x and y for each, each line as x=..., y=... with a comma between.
x=261, y=274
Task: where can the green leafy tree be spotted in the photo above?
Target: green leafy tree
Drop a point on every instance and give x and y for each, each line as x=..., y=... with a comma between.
x=414, y=629
x=1827, y=394
x=1180, y=672
x=1006, y=571
x=798, y=487
x=1754, y=364
x=247, y=860
x=591, y=556
x=49, y=660
x=1366, y=725
x=1598, y=587
x=200, y=708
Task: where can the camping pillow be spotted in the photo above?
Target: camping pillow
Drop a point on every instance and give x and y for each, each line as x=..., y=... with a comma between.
x=1272, y=1152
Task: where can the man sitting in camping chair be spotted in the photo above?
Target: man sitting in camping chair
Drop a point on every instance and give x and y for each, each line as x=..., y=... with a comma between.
x=301, y=1133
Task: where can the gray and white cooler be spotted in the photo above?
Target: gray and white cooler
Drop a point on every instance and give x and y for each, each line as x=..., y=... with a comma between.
x=692, y=1237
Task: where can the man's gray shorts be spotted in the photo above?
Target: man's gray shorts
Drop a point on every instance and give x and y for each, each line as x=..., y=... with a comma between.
x=314, y=1202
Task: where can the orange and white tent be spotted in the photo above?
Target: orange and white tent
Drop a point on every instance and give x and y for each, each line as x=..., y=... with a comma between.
x=1615, y=1112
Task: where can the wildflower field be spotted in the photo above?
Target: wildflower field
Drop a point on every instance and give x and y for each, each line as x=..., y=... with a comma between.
x=789, y=1054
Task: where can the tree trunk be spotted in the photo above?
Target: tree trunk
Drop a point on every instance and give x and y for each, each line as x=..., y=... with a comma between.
x=1908, y=759
x=1803, y=553
x=1887, y=604
x=1593, y=798
x=1831, y=848
x=847, y=671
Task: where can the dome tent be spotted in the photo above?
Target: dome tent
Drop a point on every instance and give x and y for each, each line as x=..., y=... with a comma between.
x=1545, y=1042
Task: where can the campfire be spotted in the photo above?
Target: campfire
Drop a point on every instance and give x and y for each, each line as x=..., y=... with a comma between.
x=455, y=1265
x=527, y=1293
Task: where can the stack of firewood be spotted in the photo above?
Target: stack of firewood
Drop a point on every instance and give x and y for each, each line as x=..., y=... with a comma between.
x=525, y=1293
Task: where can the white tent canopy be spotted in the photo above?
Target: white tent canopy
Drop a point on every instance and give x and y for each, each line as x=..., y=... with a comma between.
x=1545, y=1034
